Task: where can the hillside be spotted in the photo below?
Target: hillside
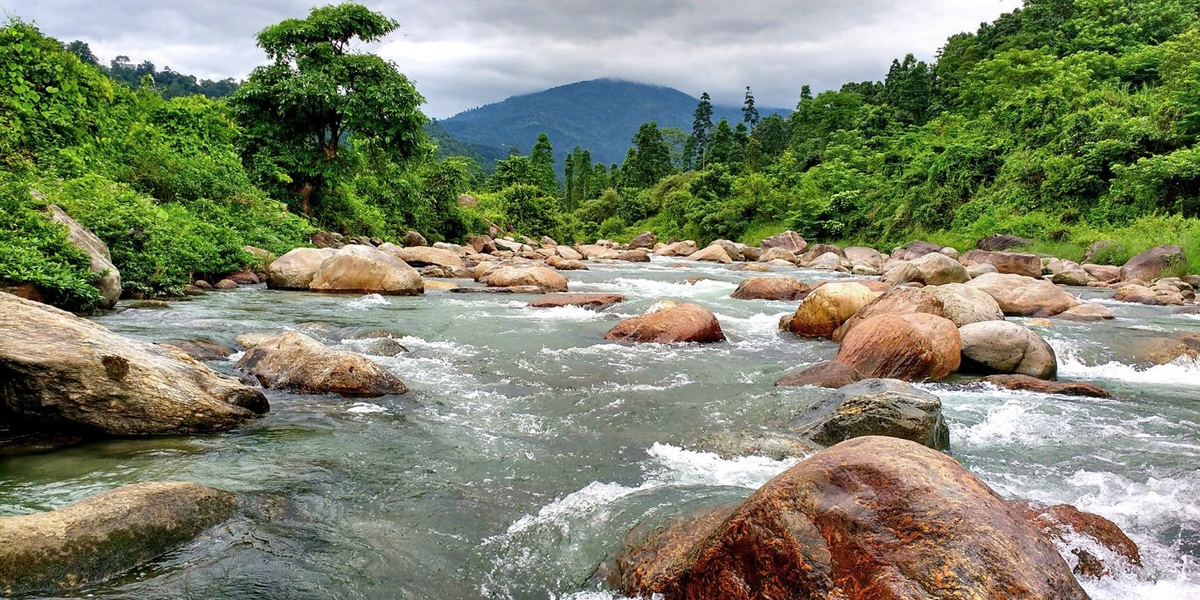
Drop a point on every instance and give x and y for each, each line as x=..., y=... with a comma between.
x=599, y=115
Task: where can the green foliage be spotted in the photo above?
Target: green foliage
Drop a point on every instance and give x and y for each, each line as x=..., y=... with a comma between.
x=528, y=209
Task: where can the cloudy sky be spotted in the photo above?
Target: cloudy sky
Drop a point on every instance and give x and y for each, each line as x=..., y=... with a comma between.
x=464, y=53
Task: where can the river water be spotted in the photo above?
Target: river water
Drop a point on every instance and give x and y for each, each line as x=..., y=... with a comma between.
x=528, y=446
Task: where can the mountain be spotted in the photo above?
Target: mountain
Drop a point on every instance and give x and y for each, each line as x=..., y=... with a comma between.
x=600, y=116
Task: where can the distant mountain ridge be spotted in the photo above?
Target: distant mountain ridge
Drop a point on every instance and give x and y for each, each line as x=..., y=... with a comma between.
x=600, y=115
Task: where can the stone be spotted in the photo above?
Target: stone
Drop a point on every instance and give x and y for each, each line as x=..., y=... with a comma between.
x=468, y=200
x=816, y=251
x=683, y=323
x=872, y=518
x=1140, y=294
x=482, y=244
x=366, y=270
x=963, y=304
x=422, y=256
x=1151, y=264
x=828, y=262
x=412, y=238
x=1077, y=277
x=294, y=361
x=226, y=284
x=149, y=304
x=295, y=269
x=998, y=242
x=732, y=249
x=770, y=288
x=546, y=280
x=1161, y=350
x=1045, y=386
x=895, y=301
x=432, y=285
x=754, y=267
x=1066, y=524
x=1029, y=265
x=593, y=301
x=63, y=372
x=548, y=242
x=788, y=240
x=928, y=269
x=866, y=256
x=912, y=347
x=1023, y=296
x=568, y=253
x=645, y=239
x=99, y=258
x=916, y=250
x=105, y=535
x=563, y=264
x=1105, y=273
x=1102, y=247
x=259, y=256
x=827, y=374
x=772, y=254
x=384, y=346
x=245, y=277
x=327, y=239
x=773, y=444
x=714, y=253
x=887, y=407
x=202, y=349
x=826, y=307
x=255, y=338
x=750, y=252
x=981, y=269
x=1006, y=347
x=1087, y=312
x=634, y=256
x=684, y=248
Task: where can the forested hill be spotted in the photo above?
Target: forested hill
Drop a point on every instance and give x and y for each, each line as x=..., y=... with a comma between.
x=600, y=115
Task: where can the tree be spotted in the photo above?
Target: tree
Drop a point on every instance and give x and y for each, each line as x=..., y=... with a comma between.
x=702, y=128
x=299, y=110
x=726, y=148
x=541, y=157
x=749, y=113
x=83, y=51
x=805, y=92
x=649, y=159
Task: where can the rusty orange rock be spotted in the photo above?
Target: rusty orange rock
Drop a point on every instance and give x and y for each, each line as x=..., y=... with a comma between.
x=912, y=347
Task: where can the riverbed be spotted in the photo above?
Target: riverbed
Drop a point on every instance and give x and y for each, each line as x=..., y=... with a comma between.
x=529, y=446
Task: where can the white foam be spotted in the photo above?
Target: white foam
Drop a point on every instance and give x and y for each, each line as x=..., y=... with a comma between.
x=652, y=288
x=1182, y=371
x=558, y=313
x=365, y=408
x=368, y=301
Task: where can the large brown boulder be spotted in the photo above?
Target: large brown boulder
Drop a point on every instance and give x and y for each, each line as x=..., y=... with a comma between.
x=100, y=260
x=681, y=323
x=875, y=407
x=917, y=249
x=595, y=301
x=866, y=256
x=964, y=304
x=644, y=240
x=1105, y=273
x=423, y=256
x=1151, y=264
x=896, y=301
x=1066, y=525
x=634, y=256
x=412, y=238
x=827, y=374
x=826, y=308
x=295, y=270
x=777, y=254
x=1006, y=347
x=482, y=244
x=816, y=251
x=1140, y=294
x=104, y=535
x=788, y=240
x=928, y=269
x=997, y=242
x=1029, y=265
x=770, y=288
x=912, y=347
x=294, y=361
x=545, y=279
x=1087, y=312
x=714, y=253
x=1044, y=386
x=366, y=270
x=1023, y=296
x=63, y=372
x=684, y=248
x=872, y=518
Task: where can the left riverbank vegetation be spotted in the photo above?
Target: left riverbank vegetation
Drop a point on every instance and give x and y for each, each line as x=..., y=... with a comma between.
x=1065, y=122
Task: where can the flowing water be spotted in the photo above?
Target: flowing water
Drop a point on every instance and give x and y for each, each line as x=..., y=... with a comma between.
x=528, y=446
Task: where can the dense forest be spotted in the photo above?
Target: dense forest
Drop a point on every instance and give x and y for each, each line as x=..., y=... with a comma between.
x=1066, y=122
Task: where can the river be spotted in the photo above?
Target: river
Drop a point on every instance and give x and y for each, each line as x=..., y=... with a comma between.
x=528, y=446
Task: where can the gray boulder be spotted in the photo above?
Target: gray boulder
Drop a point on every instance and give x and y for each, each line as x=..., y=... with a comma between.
x=887, y=407
x=1006, y=347
x=109, y=283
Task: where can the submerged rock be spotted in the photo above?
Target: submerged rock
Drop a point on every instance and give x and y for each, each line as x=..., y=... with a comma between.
x=887, y=407
x=1105, y=546
x=1006, y=347
x=827, y=374
x=871, y=518
x=64, y=372
x=294, y=361
x=1043, y=386
x=912, y=347
x=104, y=535
x=584, y=300
x=682, y=323
x=1087, y=312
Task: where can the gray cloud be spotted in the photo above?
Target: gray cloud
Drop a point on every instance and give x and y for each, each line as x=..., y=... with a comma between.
x=464, y=53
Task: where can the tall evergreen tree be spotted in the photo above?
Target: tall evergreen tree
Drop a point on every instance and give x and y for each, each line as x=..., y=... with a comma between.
x=749, y=113
x=542, y=159
x=806, y=92
x=702, y=128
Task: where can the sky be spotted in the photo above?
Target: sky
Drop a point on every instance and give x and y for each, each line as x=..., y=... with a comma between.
x=466, y=53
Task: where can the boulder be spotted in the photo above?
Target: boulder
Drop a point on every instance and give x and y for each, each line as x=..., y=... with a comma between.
x=1161, y=350
x=872, y=518
x=755, y=267
x=816, y=251
x=866, y=256
x=1006, y=347
x=104, y=535
x=916, y=250
x=682, y=323
x=875, y=407
x=100, y=260
x=645, y=240
x=684, y=248
x=594, y=301
x=1045, y=386
x=634, y=256
x=1087, y=312
x=1066, y=524
x=295, y=270
x=714, y=253
x=928, y=269
x=366, y=270
x=981, y=269
x=226, y=284
x=777, y=254
x=826, y=308
x=548, y=242
x=568, y=253
x=482, y=244
x=294, y=361
x=732, y=249
x=468, y=200
x=63, y=372
x=1024, y=296
x=750, y=252
x=260, y=257
x=1077, y=277
x=1140, y=294
x=1102, y=247
x=327, y=239
x=412, y=238
x=829, y=262
x=423, y=256
x=383, y=346
x=770, y=288
x=997, y=242
x=1150, y=265
x=563, y=264
x=244, y=277
x=896, y=301
x=964, y=304
x=788, y=240
x=827, y=374
x=1105, y=273
x=912, y=347
x=545, y=279
x=1029, y=265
